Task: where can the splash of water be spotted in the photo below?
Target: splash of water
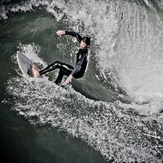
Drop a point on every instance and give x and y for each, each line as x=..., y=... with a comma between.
x=126, y=38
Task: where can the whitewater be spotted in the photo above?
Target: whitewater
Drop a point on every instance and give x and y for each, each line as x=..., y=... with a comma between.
x=116, y=108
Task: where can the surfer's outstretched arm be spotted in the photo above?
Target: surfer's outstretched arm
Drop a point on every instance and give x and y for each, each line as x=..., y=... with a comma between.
x=78, y=37
x=61, y=33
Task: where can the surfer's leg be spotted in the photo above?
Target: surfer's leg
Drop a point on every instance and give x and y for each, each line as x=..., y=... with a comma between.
x=59, y=78
x=49, y=68
x=65, y=69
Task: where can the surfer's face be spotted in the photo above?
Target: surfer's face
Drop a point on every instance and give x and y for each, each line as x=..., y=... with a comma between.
x=83, y=45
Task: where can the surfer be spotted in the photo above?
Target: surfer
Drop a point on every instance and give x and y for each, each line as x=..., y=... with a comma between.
x=66, y=69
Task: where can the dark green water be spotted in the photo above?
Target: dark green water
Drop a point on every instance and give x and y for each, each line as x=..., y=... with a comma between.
x=21, y=142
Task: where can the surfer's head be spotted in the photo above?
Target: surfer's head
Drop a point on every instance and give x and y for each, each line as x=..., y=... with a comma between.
x=85, y=42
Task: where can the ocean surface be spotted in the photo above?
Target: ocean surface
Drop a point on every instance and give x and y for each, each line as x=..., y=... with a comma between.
x=114, y=113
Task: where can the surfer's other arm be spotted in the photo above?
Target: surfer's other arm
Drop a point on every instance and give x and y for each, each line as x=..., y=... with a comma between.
x=68, y=80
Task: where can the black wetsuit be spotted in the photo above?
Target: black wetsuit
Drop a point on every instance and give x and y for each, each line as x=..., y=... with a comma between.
x=65, y=69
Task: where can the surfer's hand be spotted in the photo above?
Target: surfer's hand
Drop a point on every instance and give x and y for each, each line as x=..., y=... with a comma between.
x=68, y=80
x=61, y=33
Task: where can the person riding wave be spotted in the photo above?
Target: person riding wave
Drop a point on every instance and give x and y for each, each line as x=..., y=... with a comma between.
x=65, y=69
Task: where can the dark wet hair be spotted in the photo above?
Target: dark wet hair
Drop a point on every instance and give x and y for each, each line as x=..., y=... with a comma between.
x=86, y=40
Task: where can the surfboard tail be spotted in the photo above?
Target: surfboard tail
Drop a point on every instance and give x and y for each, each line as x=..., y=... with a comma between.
x=27, y=66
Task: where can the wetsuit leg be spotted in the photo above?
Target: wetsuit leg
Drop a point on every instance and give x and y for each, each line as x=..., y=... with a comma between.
x=65, y=69
x=49, y=68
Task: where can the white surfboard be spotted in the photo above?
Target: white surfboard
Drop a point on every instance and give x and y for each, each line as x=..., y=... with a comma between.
x=25, y=64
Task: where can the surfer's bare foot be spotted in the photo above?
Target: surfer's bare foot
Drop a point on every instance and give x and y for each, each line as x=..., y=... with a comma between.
x=35, y=71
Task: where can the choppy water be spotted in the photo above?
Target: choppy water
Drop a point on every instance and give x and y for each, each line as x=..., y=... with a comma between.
x=112, y=114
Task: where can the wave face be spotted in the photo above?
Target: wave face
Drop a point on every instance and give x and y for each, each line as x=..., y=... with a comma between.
x=116, y=107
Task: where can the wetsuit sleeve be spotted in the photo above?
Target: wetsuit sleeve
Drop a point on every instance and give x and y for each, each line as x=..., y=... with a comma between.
x=78, y=65
x=79, y=38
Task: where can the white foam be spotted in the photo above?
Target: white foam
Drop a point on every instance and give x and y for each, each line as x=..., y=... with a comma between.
x=159, y=3
x=136, y=55
x=147, y=3
x=32, y=52
x=101, y=125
